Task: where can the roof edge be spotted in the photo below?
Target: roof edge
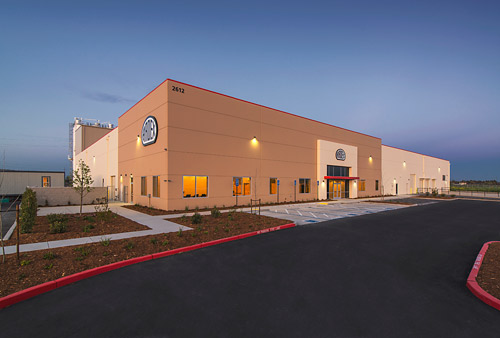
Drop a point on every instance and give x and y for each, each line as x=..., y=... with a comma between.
x=256, y=104
x=439, y=158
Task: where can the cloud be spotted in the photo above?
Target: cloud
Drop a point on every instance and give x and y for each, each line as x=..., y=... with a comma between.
x=105, y=97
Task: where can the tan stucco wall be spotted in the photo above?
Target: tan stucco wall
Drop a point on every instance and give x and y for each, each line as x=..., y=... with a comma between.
x=205, y=133
x=102, y=159
x=15, y=183
x=411, y=171
x=66, y=196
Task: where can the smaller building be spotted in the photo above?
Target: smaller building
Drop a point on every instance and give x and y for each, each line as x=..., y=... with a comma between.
x=14, y=182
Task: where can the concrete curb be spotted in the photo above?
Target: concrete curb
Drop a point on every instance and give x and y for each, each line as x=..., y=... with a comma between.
x=9, y=233
x=472, y=284
x=48, y=286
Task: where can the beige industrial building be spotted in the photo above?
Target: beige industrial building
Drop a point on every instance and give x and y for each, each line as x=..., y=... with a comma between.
x=15, y=182
x=185, y=146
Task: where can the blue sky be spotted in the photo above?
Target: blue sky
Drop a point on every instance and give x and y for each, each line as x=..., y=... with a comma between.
x=421, y=75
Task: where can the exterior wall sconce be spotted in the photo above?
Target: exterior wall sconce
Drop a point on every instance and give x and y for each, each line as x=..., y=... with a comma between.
x=254, y=141
x=370, y=159
x=404, y=164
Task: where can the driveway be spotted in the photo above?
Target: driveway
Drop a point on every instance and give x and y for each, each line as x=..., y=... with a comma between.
x=399, y=273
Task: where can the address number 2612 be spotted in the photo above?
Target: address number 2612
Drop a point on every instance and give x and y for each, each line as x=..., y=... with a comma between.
x=178, y=89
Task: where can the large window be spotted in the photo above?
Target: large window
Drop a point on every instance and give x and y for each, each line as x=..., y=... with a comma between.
x=45, y=181
x=304, y=185
x=144, y=186
x=362, y=185
x=333, y=170
x=195, y=186
x=241, y=186
x=156, y=186
x=273, y=185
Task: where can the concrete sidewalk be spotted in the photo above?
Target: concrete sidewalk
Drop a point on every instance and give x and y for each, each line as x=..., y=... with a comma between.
x=156, y=224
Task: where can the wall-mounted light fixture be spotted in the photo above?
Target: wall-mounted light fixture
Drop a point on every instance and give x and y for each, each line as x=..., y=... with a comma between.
x=404, y=164
x=370, y=159
x=254, y=140
x=439, y=169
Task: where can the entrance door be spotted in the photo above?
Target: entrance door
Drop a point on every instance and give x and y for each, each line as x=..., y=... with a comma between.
x=335, y=189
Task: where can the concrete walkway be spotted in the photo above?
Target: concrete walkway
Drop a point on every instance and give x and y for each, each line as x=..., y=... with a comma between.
x=157, y=225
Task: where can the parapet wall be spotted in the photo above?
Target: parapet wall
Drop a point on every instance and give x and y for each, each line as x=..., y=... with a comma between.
x=67, y=196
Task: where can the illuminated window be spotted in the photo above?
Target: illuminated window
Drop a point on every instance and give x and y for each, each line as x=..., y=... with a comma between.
x=241, y=186
x=195, y=186
x=144, y=186
x=273, y=186
x=304, y=185
x=45, y=181
x=362, y=185
x=376, y=185
x=201, y=186
x=156, y=186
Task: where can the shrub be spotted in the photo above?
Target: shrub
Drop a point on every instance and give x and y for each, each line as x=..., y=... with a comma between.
x=196, y=218
x=49, y=266
x=27, y=213
x=153, y=240
x=57, y=227
x=105, y=241
x=130, y=245
x=57, y=218
x=215, y=212
x=25, y=262
x=103, y=214
x=49, y=255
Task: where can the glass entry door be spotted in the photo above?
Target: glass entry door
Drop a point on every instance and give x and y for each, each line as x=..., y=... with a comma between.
x=335, y=189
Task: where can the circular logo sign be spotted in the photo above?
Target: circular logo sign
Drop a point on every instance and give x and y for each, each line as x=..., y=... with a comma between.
x=149, y=131
x=340, y=154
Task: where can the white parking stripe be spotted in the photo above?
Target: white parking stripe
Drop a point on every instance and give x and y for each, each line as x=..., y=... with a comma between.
x=299, y=213
x=313, y=215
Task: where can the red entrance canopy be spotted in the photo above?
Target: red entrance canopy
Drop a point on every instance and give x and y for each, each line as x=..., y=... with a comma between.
x=340, y=178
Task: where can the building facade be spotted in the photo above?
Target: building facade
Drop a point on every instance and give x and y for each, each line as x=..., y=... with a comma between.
x=15, y=182
x=184, y=146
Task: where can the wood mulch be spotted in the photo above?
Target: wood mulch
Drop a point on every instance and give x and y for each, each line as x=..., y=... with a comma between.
x=41, y=266
x=76, y=227
x=489, y=274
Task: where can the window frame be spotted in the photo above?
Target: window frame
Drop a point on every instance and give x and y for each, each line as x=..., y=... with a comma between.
x=195, y=186
x=271, y=185
x=144, y=186
x=241, y=186
x=306, y=180
x=49, y=181
x=157, y=186
x=362, y=185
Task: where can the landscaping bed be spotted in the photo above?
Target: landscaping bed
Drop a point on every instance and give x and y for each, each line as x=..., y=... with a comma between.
x=41, y=266
x=158, y=212
x=89, y=224
x=488, y=277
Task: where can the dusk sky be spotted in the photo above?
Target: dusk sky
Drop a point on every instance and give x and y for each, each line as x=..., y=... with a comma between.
x=422, y=75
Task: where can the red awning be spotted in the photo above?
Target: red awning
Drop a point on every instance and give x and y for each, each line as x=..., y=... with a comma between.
x=340, y=178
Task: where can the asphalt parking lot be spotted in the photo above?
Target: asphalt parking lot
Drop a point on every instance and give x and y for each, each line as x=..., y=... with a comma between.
x=399, y=273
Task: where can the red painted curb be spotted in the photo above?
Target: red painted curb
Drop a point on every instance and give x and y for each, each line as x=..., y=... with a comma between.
x=474, y=287
x=48, y=286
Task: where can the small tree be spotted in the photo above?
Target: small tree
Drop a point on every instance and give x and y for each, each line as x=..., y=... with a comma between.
x=82, y=181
